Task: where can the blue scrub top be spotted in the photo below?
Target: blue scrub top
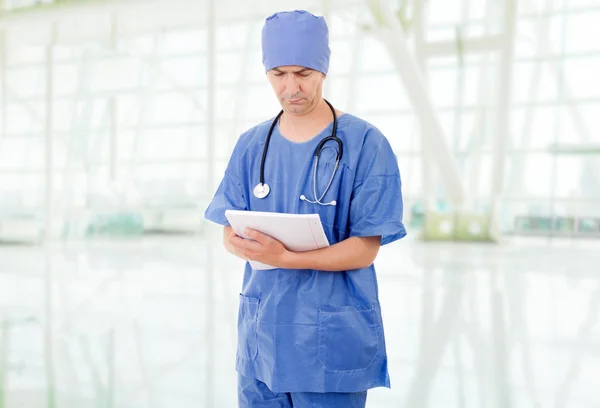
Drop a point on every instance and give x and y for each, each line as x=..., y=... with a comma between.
x=310, y=330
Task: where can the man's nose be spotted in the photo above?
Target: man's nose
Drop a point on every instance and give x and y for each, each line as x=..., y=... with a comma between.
x=291, y=84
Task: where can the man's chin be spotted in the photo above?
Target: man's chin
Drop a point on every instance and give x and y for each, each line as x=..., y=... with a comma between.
x=296, y=108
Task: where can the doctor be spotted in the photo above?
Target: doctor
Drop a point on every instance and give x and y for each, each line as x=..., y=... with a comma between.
x=310, y=332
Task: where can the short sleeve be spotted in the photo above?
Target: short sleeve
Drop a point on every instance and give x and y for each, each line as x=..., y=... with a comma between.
x=376, y=206
x=230, y=193
x=229, y=196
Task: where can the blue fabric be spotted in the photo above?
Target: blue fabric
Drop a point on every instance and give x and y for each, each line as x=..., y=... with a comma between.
x=296, y=38
x=255, y=394
x=309, y=330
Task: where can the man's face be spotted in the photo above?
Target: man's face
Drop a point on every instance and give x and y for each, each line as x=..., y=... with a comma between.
x=298, y=89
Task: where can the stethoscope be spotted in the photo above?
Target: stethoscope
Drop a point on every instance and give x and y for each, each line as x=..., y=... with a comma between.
x=262, y=189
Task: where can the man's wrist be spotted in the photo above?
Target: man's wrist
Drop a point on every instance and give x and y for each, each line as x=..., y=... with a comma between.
x=290, y=260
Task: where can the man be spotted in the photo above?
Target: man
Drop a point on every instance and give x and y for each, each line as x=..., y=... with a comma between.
x=310, y=332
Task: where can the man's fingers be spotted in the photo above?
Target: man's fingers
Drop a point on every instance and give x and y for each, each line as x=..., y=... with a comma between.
x=257, y=236
x=237, y=242
x=252, y=245
x=244, y=244
x=251, y=233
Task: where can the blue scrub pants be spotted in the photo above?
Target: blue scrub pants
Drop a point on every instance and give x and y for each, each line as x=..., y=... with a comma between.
x=255, y=394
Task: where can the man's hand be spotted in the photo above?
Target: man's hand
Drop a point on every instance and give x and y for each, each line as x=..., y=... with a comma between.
x=352, y=253
x=261, y=248
x=228, y=234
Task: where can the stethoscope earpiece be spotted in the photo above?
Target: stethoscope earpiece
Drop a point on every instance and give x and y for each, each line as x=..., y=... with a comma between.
x=303, y=198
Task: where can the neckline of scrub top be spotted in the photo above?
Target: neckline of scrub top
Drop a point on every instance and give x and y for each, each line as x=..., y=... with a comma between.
x=317, y=136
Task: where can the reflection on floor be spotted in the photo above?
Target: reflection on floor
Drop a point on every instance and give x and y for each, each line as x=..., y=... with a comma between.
x=125, y=324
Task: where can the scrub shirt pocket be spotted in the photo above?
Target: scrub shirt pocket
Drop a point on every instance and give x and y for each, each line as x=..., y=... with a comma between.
x=247, y=347
x=348, y=337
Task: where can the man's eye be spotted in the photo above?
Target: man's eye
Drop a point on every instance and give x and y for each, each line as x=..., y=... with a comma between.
x=280, y=74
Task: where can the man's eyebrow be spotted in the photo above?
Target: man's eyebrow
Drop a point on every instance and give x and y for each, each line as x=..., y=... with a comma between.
x=300, y=71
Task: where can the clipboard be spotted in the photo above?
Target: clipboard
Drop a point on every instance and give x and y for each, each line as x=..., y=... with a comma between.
x=297, y=232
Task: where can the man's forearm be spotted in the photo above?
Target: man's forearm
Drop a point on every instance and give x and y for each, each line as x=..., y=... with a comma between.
x=352, y=253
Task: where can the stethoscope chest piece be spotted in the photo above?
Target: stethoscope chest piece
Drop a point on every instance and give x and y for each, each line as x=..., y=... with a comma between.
x=261, y=190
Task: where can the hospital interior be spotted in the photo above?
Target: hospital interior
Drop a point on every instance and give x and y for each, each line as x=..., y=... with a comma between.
x=118, y=118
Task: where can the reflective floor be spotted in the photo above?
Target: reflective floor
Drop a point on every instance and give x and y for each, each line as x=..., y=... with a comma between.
x=125, y=324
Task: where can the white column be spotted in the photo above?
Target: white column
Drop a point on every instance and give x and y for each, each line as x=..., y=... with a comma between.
x=3, y=87
x=49, y=227
x=48, y=125
x=477, y=138
x=326, y=6
x=392, y=36
x=241, y=93
x=499, y=339
x=4, y=353
x=354, y=70
x=210, y=326
x=426, y=159
x=112, y=106
x=112, y=153
x=504, y=103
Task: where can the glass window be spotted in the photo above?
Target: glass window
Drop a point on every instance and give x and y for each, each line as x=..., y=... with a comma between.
x=534, y=81
x=534, y=127
x=184, y=41
x=380, y=92
x=581, y=75
x=189, y=71
x=441, y=11
x=26, y=82
x=25, y=118
x=583, y=31
x=115, y=74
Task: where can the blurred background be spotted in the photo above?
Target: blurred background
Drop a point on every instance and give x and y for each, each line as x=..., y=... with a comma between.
x=118, y=118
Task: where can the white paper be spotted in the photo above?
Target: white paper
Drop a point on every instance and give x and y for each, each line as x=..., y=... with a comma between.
x=298, y=232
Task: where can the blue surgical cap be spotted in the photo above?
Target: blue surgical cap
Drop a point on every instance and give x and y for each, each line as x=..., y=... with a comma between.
x=296, y=38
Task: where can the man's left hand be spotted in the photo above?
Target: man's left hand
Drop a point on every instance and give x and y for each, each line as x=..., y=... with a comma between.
x=261, y=248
